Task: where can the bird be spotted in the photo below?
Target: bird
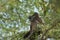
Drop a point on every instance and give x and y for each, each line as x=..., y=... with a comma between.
x=34, y=19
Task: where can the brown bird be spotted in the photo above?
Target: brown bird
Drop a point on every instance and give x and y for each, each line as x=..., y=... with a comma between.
x=34, y=19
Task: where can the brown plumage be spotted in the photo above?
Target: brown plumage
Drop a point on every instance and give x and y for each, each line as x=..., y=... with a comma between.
x=34, y=19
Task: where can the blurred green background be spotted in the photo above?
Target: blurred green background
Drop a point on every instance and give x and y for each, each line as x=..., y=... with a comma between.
x=14, y=17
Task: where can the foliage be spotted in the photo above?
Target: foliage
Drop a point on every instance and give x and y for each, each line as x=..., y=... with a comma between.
x=14, y=17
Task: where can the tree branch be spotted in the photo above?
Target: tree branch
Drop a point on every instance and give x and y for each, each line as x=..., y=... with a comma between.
x=53, y=25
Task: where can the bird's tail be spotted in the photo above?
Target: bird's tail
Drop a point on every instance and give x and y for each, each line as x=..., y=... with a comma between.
x=26, y=35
